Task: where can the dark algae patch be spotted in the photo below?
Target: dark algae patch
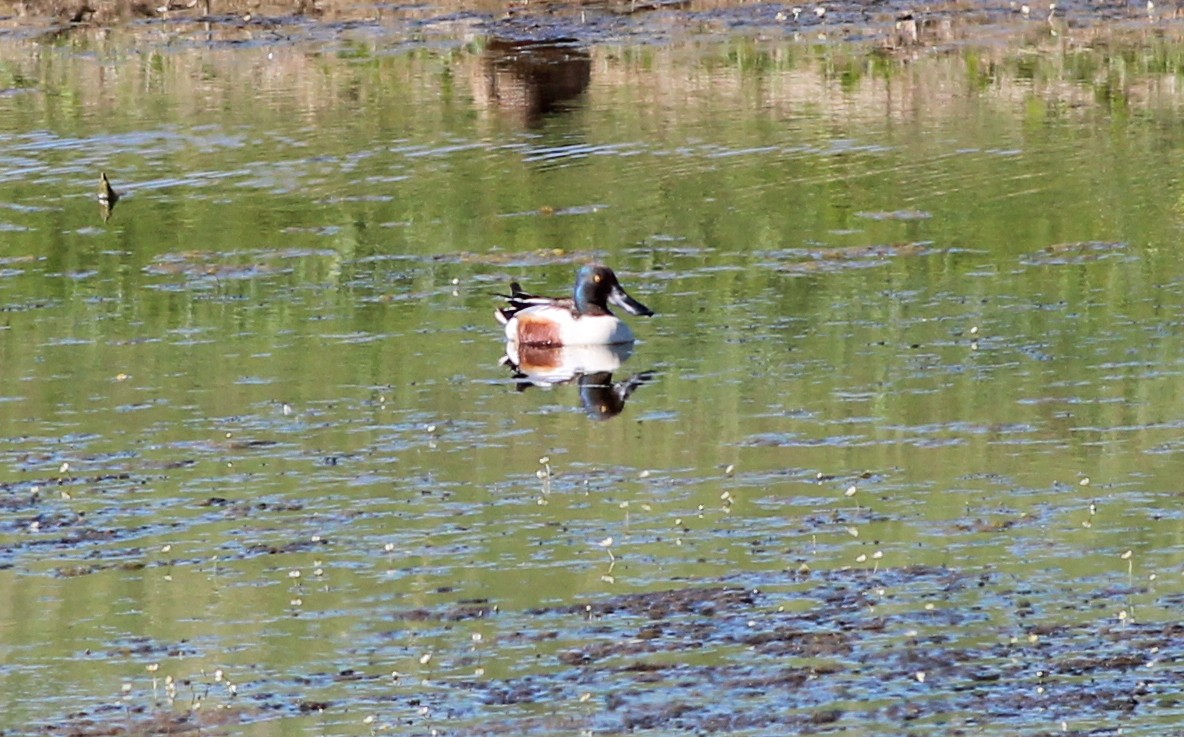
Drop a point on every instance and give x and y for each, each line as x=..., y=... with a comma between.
x=722, y=659
x=891, y=650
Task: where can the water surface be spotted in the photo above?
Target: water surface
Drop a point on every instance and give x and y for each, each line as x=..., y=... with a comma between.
x=901, y=448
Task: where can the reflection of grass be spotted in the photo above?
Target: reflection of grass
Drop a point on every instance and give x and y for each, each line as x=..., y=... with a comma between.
x=293, y=81
x=12, y=78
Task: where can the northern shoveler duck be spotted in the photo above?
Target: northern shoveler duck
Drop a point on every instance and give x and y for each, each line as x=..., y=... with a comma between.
x=583, y=319
x=107, y=196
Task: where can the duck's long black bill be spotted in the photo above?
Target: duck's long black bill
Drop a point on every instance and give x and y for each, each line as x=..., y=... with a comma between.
x=621, y=299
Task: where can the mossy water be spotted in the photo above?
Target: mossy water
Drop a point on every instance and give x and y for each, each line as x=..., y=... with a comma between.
x=906, y=451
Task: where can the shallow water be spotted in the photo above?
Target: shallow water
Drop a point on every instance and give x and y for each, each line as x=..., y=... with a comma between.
x=902, y=445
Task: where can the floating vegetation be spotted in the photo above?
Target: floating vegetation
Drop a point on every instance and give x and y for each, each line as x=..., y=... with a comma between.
x=1061, y=254
x=867, y=631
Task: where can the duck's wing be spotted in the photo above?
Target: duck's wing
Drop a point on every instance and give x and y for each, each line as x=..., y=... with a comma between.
x=520, y=300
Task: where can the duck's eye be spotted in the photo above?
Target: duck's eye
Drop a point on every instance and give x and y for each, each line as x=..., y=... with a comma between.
x=596, y=278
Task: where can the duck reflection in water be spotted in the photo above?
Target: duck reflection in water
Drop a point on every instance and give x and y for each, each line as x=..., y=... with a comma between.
x=591, y=367
x=530, y=80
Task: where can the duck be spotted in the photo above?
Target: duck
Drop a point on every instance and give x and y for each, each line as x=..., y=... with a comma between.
x=582, y=319
x=107, y=197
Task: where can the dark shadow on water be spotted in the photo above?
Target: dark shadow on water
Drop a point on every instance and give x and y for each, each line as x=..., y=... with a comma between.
x=529, y=80
x=591, y=368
